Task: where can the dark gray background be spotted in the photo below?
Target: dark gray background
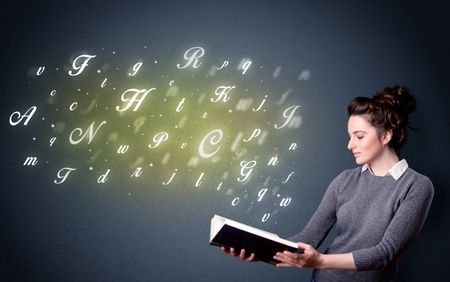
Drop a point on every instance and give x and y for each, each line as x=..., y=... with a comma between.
x=353, y=48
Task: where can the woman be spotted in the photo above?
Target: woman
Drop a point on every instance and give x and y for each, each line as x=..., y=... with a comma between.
x=378, y=207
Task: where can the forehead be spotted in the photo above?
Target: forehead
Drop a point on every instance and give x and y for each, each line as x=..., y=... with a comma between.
x=359, y=123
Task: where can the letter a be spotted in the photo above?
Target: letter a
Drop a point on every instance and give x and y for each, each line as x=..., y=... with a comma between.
x=28, y=114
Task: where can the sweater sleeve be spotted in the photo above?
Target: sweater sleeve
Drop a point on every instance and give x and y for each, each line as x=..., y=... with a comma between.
x=402, y=230
x=323, y=219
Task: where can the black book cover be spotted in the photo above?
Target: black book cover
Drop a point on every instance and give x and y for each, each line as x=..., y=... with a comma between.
x=263, y=246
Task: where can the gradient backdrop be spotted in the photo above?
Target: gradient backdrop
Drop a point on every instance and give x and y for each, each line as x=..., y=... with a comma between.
x=302, y=62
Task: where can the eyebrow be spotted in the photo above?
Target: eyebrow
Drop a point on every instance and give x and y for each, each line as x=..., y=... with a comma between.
x=359, y=131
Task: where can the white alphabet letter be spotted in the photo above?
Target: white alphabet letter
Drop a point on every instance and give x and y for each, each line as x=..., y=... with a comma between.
x=191, y=56
x=80, y=67
x=28, y=114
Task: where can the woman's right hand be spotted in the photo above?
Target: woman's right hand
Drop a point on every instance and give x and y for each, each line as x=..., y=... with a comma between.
x=241, y=254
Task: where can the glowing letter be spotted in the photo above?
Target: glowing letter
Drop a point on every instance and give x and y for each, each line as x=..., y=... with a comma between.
x=158, y=139
x=104, y=83
x=136, y=68
x=191, y=56
x=180, y=106
x=90, y=130
x=63, y=173
x=261, y=194
x=199, y=180
x=133, y=99
x=80, y=67
x=40, y=70
x=222, y=93
x=273, y=161
x=265, y=217
x=103, y=177
x=260, y=105
x=214, y=140
x=288, y=114
x=30, y=161
x=52, y=140
x=235, y=201
x=255, y=133
x=225, y=63
x=293, y=147
x=28, y=114
x=73, y=106
x=246, y=170
x=137, y=172
x=122, y=149
x=171, y=178
x=245, y=66
x=285, y=202
x=287, y=179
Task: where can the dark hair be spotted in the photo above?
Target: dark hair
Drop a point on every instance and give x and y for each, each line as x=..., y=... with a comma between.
x=387, y=110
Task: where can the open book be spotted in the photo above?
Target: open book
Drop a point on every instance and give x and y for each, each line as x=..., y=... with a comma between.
x=228, y=233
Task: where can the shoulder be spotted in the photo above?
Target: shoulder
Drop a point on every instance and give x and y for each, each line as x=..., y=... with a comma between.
x=418, y=182
x=346, y=176
x=349, y=174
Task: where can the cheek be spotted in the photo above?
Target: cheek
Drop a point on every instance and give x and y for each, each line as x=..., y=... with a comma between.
x=370, y=145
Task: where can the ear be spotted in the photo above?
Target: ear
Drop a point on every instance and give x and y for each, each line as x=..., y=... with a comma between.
x=386, y=137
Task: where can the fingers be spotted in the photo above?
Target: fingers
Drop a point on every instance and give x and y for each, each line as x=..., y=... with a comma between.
x=241, y=254
x=225, y=250
x=288, y=259
x=284, y=265
x=287, y=256
x=251, y=257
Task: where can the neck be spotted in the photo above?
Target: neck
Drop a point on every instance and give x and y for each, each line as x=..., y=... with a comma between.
x=384, y=162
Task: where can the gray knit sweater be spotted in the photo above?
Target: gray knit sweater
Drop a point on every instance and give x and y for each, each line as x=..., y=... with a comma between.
x=376, y=219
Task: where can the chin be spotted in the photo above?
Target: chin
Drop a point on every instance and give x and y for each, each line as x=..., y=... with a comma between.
x=360, y=161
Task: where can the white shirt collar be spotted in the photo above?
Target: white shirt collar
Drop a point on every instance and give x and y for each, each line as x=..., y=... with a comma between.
x=396, y=171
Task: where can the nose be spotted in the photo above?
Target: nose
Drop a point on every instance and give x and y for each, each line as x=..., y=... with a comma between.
x=350, y=144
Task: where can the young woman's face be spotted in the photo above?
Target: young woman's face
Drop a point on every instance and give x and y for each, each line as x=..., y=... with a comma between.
x=364, y=140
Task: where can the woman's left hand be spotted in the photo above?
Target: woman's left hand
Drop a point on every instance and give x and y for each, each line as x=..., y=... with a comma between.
x=311, y=258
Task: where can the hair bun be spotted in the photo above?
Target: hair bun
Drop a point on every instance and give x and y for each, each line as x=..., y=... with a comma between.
x=398, y=97
x=388, y=110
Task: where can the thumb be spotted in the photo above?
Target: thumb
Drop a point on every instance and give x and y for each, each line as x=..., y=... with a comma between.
x=302, y=245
